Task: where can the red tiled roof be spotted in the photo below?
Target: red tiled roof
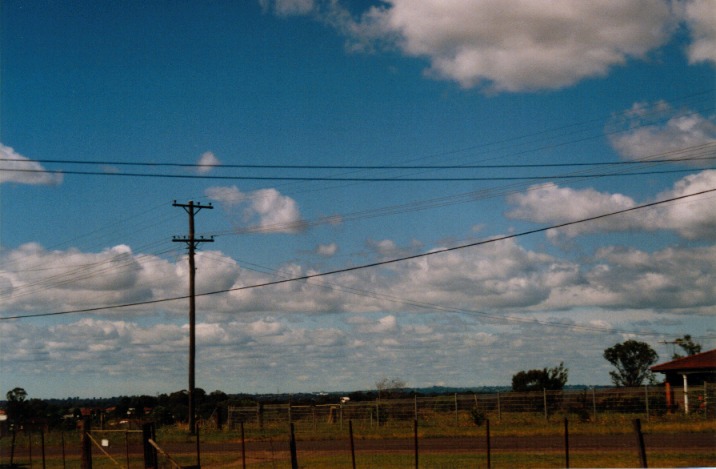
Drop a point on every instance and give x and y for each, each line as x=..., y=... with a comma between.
x=700, y=362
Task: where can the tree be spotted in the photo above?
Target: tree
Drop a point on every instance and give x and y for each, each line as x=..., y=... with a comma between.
x=688, y=346
x=551, y=379
x=389, y=387
x=16, y=405
x=632, y=360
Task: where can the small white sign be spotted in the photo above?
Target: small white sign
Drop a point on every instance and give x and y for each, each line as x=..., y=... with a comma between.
x=105, y=442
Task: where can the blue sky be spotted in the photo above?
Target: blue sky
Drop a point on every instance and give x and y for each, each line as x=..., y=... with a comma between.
x=180, y=94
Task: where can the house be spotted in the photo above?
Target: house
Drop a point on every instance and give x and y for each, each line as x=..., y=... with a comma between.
x=694, y=370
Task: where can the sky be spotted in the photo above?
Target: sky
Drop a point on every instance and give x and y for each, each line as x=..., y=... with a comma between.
x=445, y=193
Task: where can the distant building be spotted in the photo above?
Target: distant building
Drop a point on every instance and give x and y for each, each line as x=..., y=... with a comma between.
x=694, y=370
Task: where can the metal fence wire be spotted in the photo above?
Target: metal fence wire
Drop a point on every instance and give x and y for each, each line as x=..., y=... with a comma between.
x=468, y=409
x=394, y=432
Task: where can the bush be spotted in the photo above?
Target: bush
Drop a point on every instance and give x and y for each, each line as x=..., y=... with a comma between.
x=477, y=416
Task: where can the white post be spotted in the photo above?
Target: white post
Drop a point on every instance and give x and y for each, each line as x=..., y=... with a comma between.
x=686, y=394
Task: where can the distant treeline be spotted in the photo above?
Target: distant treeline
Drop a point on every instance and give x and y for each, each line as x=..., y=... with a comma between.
x=173, y=407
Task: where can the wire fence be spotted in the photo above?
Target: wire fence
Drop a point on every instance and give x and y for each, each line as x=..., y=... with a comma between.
x=586, y=405
x=396, y=432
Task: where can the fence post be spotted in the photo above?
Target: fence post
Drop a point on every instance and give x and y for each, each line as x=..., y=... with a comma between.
x=487, y=442
x=640, y=442
x=499, y=408
x=42, y=446
x=86, y=427
x=706, y=400
x=377, y=413
x=544, y=400
x=292, y=447
x=260, y=415
x=243, y=447
x=12, y=445
x=198, y=446
x=353, y=448
x=415, y=440
x=415, y=404
x=566, y=443
x=646, y=399
x=29, y=445
x=150, y=452
x=62, y=439
x=126, y=445
x=594, y=404
x=456, y=419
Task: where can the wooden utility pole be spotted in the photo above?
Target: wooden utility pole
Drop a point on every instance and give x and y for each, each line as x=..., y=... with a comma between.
x=192, y=242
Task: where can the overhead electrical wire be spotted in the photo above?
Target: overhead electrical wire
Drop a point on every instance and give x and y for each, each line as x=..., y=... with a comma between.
x=353, y=179
x=369, y=265
x=420, y=205
x=332, y=167
x=78, y=272
x=459, y=198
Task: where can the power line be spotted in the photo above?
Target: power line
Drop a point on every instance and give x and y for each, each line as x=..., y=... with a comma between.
x=337, y=167
x=355, y=179
x=370, y=265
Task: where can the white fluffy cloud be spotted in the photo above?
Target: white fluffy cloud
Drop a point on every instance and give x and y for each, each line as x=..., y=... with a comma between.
x=517, y=45
x=14, y=171
x=36, y=280
x=677, y=279
x=551, y=204
x=522, y=45
x=327, y=250
x=373, y=325
x=677, y=135
x=288, y=7
x=700, y=16
x=691, y=218
x=264, y=210
x=504, y=45
x=206, y=162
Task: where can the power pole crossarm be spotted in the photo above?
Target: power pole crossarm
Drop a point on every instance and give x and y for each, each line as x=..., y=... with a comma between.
x=192, y=242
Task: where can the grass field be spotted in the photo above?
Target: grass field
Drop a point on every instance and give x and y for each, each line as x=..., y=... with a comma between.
x=433, y=461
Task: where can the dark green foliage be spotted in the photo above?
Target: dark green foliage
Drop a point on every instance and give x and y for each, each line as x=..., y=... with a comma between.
x=477, y=416
x=688, y=346
x=632, y=360
x=17, y=406
x=552, y=379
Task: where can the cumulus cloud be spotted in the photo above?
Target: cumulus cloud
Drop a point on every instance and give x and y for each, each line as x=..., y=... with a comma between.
x=389, y=249
x=463, y=298
x=658, y=131
x=37, y=280
x=263, y=210
x=516, y=45
x=700, y=17
x=504, y=46
x=327, y=250
x=206, y=162
x=525, y=45
x=549, y=203
x=690, y=218
x=676, y=279
x=22, y=170
x=339, y=355
x=288, y=7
